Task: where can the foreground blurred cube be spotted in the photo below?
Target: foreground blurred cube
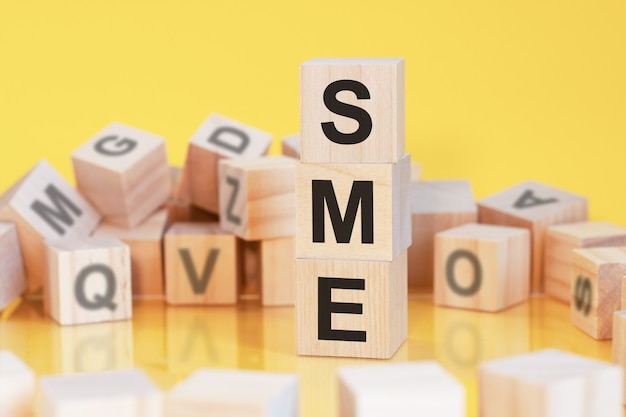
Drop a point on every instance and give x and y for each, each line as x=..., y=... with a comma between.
x=17, y=386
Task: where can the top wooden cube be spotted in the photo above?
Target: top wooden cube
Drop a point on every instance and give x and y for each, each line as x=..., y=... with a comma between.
x=352, y=110
x=123, y=172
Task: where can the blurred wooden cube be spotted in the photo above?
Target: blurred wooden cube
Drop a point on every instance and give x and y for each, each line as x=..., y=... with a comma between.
x=619, y=343
x=123, y=172
x=291, y=146
x=17, y=386
x=278, y=271
x=12, y=274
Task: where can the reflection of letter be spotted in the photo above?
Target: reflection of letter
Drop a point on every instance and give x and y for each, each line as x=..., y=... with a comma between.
x=451, y=279
x=528, y=199
x=60, y=202
x=348, y=110
x=199, y=330
x=362, y=192
x=474, y=357
x=99, y=301
x=231, y=203
x=199, y=284
x=102, y=344
x=325, y=308
x=122, y=147
x=583, y=294
x=216, y=139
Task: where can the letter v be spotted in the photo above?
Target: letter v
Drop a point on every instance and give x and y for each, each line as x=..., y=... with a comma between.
x=199, y=285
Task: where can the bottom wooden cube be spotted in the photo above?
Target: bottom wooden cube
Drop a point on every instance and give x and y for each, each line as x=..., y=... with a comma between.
x=209, y=392
x=128, y=393
x=351, y=308
x=619, y=344
x=400, y=390
x=17, y=386
x=550, y=383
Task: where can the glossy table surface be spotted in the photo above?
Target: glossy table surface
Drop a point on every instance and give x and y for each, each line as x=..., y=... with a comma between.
x=171, y=342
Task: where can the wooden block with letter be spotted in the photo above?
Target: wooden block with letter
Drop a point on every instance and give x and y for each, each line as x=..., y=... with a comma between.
x=435, y=206
x=257, y=197
x=218, y=137
x=200, y=264
x=42, y=205
x=534, y=206
x=351, y=308
x=146, y=252
x=379, y=192
x=17, y=386
x=12, y=274
x=549, y=383
x=619, y=343
x=352, y=110
x=124, y=393
x=482, y=267
x=291, y=146
x=123, y=172
x=401, y=390
x=562, y=239
x=278, y=270
x=89, y=280
x=596, y=288
x=234, y=393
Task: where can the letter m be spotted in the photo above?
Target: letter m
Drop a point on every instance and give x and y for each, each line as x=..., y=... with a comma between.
x=59, y=213
x=362, y=193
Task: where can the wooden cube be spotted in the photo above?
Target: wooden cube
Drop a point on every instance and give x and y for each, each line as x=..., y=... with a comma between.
x=290, y=146
x=89, y=280
x=435, y=206
x=278, y=271
x=562, y=239
x=623, y=293
x=549, y=383
x=353, y=211
x=17, y=386
x=351, y=308
x=401, y=390
x=218, y=137
x=352, y=110
x=12, y=274
x=42, y=205
x=619, y=344
x=234, y=393
x=416, y=171
x=257, y=197
x=482, y=267
x=249, y=264
x=123, y=172
x=126, y=393
x=534, y=206
x=596, y=288
x=146, y=252
x=200, y=264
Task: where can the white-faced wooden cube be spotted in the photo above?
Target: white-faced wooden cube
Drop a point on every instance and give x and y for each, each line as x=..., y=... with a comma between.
x=17, y=386
x=482, y=267
x=218, y=137
x=123, y=172
x=534, y=206
x=352, y=110
x=125, y=393
x=89, y=280
x=234, y=393
x=550, y=383
x=12, y=274
x=596, y=287
x=401, y=390
x=257, y=197
x=43, y=205
x=619, y=343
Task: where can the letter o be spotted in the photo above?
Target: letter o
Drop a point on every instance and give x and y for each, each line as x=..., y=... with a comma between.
x=451, y=279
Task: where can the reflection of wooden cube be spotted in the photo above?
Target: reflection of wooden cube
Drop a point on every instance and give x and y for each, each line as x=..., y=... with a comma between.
x=619, y=343
x=257, y=197
x=123, y=172
x=200, y=264
x=596, y=286
x=42, y=205
x=146, y=252
x=17, y=386
x=435, y=206
x=234, y=393
x=560, y=242
x=400, y=390
x=89, y=280
x=533, y=206
x=352, y=110
x=482, y=267
x=12, y=275
x=127, y=393
x=218, y=137
x=549, y=383
x=351, y=308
